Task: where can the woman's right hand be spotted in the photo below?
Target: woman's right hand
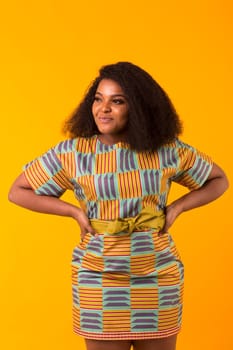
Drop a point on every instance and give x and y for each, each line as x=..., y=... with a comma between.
x=85, y=226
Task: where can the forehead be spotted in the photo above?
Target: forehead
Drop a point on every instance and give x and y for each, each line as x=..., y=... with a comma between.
x=109, y=87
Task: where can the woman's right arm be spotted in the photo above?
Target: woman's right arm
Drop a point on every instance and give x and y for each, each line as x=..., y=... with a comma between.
x=22, y=194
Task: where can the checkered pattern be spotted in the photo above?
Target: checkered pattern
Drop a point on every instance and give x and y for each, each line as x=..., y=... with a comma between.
x=125, y=286
x=134, y=293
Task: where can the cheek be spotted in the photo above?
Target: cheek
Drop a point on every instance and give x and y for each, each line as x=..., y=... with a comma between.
x=93, y=109
x=125, y=117
x=123, y=114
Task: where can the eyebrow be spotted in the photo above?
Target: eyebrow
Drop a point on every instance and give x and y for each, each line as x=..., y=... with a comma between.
x=114, y=95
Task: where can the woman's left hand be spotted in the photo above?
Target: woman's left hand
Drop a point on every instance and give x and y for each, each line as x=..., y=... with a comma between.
x=172, y=212
x=213, y=188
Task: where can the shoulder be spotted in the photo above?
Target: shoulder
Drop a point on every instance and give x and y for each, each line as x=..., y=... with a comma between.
x=178, y=147
x=78, y=144
x=177, y=144
x=175, y=152
x=65, y=146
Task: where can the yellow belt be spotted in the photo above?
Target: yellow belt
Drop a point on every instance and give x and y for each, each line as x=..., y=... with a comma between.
x=147, y=218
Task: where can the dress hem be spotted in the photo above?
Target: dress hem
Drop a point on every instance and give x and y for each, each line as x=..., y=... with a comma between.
x=127, y=335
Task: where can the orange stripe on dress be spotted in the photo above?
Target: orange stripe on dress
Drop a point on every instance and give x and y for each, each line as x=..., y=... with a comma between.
x=187, y=158
x=61, y=180
x=118, y=280
x=109, y=209
x=37, y=174
x=130, y=184
x=83, y=145
x=30, y=178
x=68, y=163
x=40, y=170
x=188, y=181
x=90, y=186
x=150, y=201
x=161, y=242
x=148, y=160
x=164, y=271
x=168, y=313
x=134, y=178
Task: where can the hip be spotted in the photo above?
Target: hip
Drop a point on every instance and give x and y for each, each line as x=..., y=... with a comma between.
x=138, y=253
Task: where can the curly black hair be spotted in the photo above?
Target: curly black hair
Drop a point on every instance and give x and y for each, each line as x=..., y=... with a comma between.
x=153, y=120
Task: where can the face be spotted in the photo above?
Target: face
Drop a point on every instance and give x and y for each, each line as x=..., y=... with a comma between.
x=110, y=111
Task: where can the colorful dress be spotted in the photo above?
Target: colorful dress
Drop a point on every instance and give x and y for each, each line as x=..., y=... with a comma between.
x=126, y=285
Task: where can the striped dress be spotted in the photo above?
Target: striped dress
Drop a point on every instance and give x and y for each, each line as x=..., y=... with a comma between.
x=126, y=285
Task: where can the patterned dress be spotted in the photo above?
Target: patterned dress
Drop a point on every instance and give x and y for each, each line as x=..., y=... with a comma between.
x=126, y=285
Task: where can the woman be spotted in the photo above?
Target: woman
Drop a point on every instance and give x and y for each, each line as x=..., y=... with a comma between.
x=122, y=156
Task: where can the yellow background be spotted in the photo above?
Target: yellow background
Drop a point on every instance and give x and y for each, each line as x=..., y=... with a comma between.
x=50, y=51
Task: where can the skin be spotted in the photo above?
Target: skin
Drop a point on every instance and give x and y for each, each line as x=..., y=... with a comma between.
x=110, y=111
x=168, y=343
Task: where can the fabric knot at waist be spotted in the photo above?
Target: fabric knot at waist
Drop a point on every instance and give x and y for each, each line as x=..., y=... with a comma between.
x=147, y=218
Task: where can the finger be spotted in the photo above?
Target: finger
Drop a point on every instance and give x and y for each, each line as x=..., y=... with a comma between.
x=82, y=236
x=86, y=230
x=83, y=233
x=163, y=231
x=90, y=229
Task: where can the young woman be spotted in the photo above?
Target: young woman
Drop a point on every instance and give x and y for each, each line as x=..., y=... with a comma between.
x=120, y=160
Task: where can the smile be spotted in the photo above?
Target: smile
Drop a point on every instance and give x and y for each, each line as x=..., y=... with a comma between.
x=105, y=119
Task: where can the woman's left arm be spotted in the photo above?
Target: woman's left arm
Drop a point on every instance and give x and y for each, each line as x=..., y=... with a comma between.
x=215, y=185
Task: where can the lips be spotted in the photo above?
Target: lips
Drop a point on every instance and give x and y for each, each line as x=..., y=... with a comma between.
x=105, y=119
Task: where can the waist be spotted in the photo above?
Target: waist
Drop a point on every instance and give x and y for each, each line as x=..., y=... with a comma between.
x=148, y=218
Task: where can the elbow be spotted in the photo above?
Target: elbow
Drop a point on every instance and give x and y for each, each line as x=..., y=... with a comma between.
x=219, y=178
x=226, y=183
x=18, y=190
x=223, y=184
x=14, y=194
x=11, y=196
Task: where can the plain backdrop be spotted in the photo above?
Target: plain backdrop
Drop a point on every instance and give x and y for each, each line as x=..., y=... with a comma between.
x=50, y=51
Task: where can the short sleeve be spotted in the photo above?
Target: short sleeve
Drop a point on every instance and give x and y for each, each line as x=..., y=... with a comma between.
x=47, y=175
x=193, y=167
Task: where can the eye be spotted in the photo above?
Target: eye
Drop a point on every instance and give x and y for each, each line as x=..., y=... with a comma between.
x=97, y=99
x=118, y=101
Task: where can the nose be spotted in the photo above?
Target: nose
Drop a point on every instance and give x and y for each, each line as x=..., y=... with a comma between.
x=106, y=107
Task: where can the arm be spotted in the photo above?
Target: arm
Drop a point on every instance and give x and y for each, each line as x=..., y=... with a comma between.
x=214, y=187
x=22, y=194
